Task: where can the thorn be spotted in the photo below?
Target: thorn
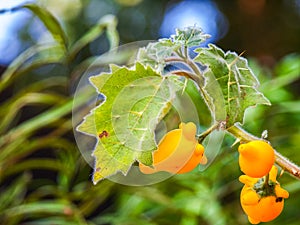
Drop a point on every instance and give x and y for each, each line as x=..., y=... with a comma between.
x=232, y=82
x=142, y=129
x=264, y=134
x=236, y=59
x=184, y=86
x=139, y=114
x=236, y=142
x=242, y=53
x=281, y=172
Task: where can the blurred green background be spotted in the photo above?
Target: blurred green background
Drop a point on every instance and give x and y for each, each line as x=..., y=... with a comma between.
x=44, y=52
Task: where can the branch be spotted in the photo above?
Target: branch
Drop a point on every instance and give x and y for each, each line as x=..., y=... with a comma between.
x=196, y=75
x=282, y=161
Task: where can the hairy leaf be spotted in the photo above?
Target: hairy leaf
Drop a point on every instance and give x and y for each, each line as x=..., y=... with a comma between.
x=155, y=54
x=189, y=36
x=135, y=100
x=230, y=85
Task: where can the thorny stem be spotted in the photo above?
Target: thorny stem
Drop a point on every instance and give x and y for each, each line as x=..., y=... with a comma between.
x=282, y=161
x=241, y=134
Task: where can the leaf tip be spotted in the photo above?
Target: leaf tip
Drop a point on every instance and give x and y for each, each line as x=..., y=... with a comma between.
x=97, y=176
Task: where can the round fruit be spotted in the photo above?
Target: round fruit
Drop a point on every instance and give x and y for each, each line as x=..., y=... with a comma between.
x=256, y=158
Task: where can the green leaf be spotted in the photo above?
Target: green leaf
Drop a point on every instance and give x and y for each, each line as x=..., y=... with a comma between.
x=108, y=23
x=30, y=59
x=155, y=54
x=229, y=84
x=112, y=33
x=54, y=207
x=14, y=194
x=50, y=22
x=26, y=99
x=189, y=36
x=52, y=115
x=39, y=164
x=287, y=71
x=135, y=101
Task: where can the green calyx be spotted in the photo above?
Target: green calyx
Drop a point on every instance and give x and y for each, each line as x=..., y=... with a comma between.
x=265, y=187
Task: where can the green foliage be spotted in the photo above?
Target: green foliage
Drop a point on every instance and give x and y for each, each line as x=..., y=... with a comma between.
x=229, y=84
x=189, y=37
x=135, y=104
x=156, y=53
x=44, y=180
x=224, y=80
x=51, y=23
x=125, y=117
x=35, y=134
x=107, y=23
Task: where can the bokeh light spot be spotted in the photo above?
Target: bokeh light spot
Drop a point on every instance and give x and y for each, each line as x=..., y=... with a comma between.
x=11, y=22
x=204, y=14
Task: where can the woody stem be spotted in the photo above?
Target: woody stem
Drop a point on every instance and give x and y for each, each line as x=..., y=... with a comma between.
x=281, y=161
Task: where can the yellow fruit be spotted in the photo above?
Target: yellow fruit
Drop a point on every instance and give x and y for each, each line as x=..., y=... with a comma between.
x=262, y=209
x=267, y=209
x=259, y=204
x=178, y=152
x=256, y=158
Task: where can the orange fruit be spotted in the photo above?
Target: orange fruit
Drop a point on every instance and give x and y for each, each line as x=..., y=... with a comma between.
x=256, y=158
x=259, y=205
x=177, y=152
x=259, y=209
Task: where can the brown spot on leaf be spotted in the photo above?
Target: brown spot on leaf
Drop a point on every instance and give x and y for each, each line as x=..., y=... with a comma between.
x=103, y=134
